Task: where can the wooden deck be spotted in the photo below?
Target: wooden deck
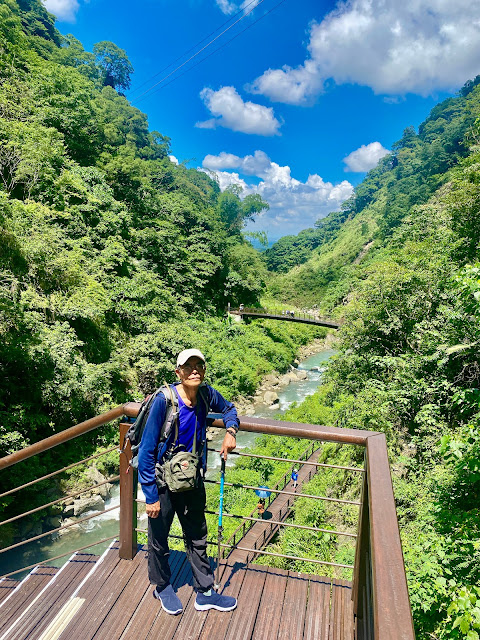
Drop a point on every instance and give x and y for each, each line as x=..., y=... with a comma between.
x=111, y=599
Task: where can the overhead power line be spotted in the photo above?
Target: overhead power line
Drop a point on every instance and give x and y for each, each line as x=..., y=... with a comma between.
x=191, y=48
x=218, y=48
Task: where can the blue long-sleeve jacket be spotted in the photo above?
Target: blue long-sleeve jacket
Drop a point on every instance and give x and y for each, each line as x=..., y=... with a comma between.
x=150, y=452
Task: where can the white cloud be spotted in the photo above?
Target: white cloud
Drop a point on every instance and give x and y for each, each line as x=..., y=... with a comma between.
x=414, y=46
x=228, y=7
x=173, y=159
x=365, y=158
x=63, y=9
x=227, y=179
x=294, y=205
x=232, y=112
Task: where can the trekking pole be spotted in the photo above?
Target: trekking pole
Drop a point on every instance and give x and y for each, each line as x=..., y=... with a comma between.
x=220, y=526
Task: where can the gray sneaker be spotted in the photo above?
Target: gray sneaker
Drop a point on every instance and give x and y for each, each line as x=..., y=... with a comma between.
x=169, y=600
x=214, y=601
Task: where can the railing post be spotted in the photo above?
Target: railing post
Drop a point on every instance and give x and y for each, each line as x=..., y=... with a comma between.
x=128, y=505
x=362, y=577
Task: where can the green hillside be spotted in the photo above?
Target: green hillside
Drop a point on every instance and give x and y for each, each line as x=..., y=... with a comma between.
x=403, y=270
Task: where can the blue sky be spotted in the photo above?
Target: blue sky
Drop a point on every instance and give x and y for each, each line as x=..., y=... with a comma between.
x=303, y=102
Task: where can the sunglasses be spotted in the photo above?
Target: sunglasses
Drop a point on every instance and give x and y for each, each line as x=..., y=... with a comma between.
x=198, y=366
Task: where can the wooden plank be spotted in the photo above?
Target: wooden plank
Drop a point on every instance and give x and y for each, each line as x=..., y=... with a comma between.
x=87, y=588
x=7, y=585
x=347, y=608
x=119, y=615
x=100, y=600
x=192, y=621
x=165, y=624
x=40, y=614
x=243, y=619
x=317, y=620
x=15, y=602
x=94, y=611
x=333, y=609
x=338, y=613
x=149, y=608
x=217, y=622
x=271, y=605
x=294, y=607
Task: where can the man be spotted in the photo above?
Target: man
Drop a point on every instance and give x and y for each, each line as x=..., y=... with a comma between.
x=162, y=503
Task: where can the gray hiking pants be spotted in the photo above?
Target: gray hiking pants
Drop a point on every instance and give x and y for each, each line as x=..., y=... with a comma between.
x=190, y=509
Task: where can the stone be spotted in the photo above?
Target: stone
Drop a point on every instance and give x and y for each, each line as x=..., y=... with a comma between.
x=285, y=380
x=250, y=411
x=270, y=397
x=68, y=510
x=74, y=527
x=94, y=476
x=302, y=375
x=53, y=523
x=274, y=407
x=94, y=503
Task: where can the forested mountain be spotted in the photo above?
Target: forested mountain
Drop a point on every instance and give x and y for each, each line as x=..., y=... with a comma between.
x=112, y=258
x=408, y=176
x=403, y=270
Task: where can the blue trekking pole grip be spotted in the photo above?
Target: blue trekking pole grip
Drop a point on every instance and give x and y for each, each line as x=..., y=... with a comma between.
x=220, y=513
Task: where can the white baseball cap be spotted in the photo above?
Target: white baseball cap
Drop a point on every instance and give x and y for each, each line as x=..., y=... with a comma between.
x=184, y=355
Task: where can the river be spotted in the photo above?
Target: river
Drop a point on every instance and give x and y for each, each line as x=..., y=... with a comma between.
x=106, y=525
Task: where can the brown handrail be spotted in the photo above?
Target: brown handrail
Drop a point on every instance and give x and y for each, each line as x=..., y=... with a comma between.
x=391, y=605
x=130, y=409
x=63, y=436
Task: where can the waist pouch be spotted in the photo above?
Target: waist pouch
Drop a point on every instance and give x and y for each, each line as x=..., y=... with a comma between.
x=181, y=472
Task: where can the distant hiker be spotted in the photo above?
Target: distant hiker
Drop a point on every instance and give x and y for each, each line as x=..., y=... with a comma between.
x=261, y=507
x=295, y=479
x=171, y=473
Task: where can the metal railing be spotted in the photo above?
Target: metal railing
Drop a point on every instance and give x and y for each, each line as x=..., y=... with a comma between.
x=380, y=594
x=270, y=526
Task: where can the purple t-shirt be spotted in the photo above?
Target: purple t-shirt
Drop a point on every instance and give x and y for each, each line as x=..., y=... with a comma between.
x=186, y=422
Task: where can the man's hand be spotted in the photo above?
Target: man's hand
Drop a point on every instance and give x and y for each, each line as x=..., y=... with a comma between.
x=229, y=443
x=153, y=509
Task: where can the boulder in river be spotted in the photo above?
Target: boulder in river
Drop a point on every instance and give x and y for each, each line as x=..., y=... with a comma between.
x=93, y=503
x=271, y=380
x=270, y=397
x=274, y=407
x=95, y=477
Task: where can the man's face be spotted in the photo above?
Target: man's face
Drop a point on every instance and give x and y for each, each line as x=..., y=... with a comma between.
x=192, y=372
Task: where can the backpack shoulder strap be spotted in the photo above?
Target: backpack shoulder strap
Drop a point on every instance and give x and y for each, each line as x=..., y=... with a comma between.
x=203, y=393
x=171, y=414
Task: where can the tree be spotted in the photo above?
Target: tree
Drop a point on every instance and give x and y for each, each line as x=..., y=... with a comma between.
x=235, y=212
x=113, y=62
